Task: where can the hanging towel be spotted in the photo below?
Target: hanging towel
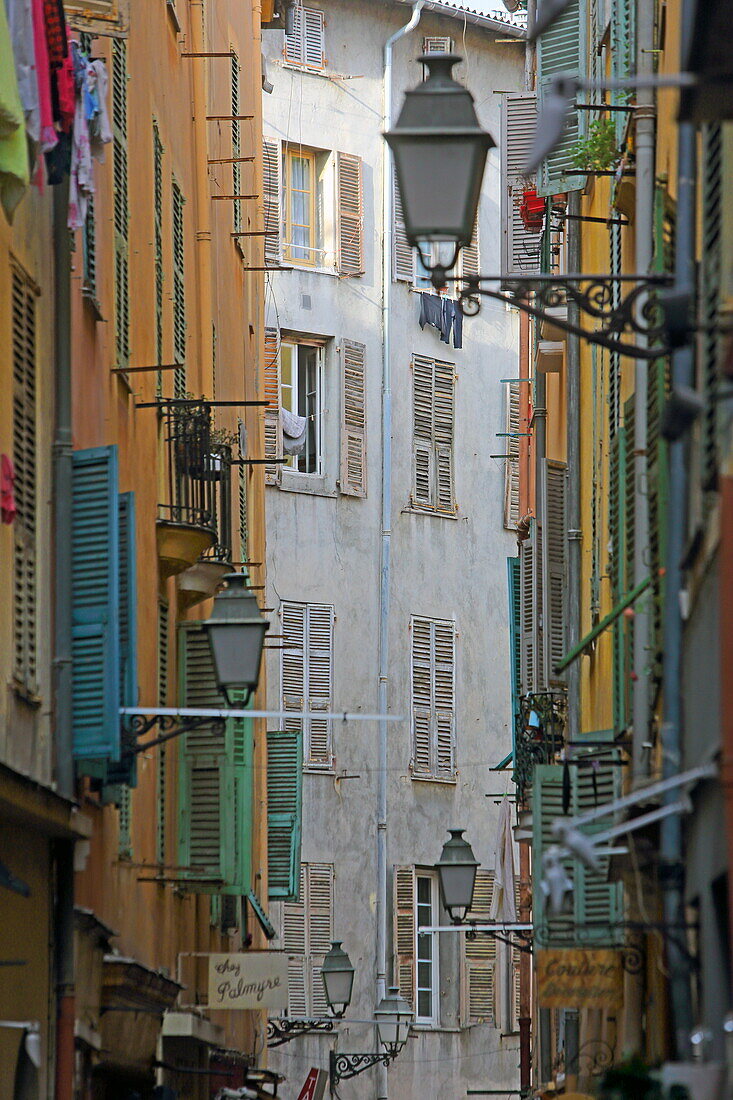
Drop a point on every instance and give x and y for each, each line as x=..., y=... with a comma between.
x=20, y=22
x=504, y=905
x=100, y=133
x=14, y=169
x=43, y=72
x=295, y=429
x=81, y=184
x=8, y=511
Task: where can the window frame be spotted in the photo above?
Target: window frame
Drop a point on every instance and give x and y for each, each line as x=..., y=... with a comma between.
x=290, y=153
x=432, y=1020
x=317, y=347
x=299, y=39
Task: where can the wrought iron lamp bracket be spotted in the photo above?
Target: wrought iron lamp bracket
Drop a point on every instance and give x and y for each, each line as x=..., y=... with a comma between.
x=619, y=313
x=170, y=726
x=343, y=1066
x=284, y=1030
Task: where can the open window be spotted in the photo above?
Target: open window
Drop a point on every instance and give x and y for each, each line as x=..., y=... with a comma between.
x=301, y=396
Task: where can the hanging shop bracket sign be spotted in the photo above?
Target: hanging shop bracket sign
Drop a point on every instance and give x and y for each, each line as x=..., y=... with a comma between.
x=579, y=978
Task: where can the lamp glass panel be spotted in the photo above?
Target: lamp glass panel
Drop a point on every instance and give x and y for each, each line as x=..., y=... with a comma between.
x=438, y=186
x=457, y=884
x=337, y=985
x=237, y=651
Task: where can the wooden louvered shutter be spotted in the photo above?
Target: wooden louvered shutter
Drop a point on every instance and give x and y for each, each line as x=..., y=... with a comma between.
x=240, y=754
x=470, y=257
x=24, y=458
x=161, y=833
x=353, y=475
x=597, y=901
x=443, y=422
x=313, y=39
x=284, y=812
x=616, y=533
x=444, y=693
x=319, y=652
x=236, y=143
x=527, y=600
x=349, y=214
x=179, y=292
x=546, y=808
x=422, y=696
x=403, y=265
x=511, y=470
x=271, y=191
x=713, y=198
x=404, y=932
x=556, y=543
x=515, y=626
x=623, y=56
x=515, y=963
x=294, y=43
x=292, y=661
x=294, y=938
x=422, y=430
x=121, y=208
x=206, y=783
x=273, y=423
x=562, y=50
x=520, y=247
x=480, y=956
x=320, y=931
x=629, y=543
x=128, y=601
x=95, y=607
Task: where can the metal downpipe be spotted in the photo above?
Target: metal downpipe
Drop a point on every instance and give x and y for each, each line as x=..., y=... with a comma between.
x=386, y=528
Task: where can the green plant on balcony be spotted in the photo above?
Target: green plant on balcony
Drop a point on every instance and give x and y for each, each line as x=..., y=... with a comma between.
x=597, y=151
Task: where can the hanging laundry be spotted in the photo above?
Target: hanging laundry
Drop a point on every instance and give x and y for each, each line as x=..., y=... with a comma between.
x=431, y=311
x=8, y=511
x=295, y=430
x=56, y=40
x=48, y=134
x=100, y=133
x=20, y=23
x=452, y=321
x=14, y=169
x=457, y=326
x=81, y=184
x=65, y=91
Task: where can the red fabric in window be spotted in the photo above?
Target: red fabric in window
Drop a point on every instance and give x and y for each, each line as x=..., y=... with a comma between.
x=7, y=494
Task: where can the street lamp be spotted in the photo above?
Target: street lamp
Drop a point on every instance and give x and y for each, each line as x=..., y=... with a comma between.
x=440, y=152
x=338, y=979
x=456, y=869
x=394, y=1017
x=236, y=633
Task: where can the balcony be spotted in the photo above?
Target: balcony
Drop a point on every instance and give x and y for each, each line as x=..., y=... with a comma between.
x=539, y=735
x=194, y=528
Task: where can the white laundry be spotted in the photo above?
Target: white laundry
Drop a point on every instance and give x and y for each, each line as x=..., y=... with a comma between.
x=295, y=429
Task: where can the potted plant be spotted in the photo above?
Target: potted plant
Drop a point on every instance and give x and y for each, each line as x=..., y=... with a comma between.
x=532, y=210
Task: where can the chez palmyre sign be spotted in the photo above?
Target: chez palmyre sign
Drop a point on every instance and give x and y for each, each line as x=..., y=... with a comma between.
x=255, y=979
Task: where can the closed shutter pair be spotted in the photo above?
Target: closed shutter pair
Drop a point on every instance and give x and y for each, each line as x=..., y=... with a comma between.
x=349, y=208
x=307, y=932
x=433, y=662
x=433, y=409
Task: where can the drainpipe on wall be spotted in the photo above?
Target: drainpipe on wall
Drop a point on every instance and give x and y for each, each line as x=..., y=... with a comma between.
x=574, y=533
x=386, y=525
x=63, y=936
x=644, y=223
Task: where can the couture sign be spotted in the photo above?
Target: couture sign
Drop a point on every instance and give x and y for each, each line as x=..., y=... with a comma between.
x=579, y=978
x=255, y=979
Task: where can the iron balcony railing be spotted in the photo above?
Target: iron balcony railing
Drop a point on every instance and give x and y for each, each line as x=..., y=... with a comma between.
x=198, y=474
x=539, y=735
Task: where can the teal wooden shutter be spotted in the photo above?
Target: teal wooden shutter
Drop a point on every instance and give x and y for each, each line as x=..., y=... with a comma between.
x=629, y=542
x=240, y=752
x=597, y=901
x=616, y=535
x=284, y=812
x=555, y=582
x=95, y=607
x=546, y=807
x=623, y=55
x=515, y=654
x=206, y=779
x=561, y=50
x=124, y=772
x=711, y=269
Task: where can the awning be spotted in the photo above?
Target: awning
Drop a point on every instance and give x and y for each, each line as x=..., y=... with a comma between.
x=602, y=625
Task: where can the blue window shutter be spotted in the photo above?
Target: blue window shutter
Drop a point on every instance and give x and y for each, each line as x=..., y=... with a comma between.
x=284, y=812
x=95, y=598
x=561, y=50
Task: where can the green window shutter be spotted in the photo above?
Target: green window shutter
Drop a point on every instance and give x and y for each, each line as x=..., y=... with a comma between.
x=121, y=207
x=179, y=293
x=614, y=381
x=162, y=776
x=240, y=751
x=616, y=535
x=629, y=542
x=546, y=807
x=597, y=901
x=515, y=652
x=206, y=779
x=556, y=544
x=284, y=812
x=158, y=230
x=623, y=55
x=95, y=608
x=89, y=250
x=561, y=50
x=527, y=602
x=25, y=453
x=710, y=277
x=236, y=144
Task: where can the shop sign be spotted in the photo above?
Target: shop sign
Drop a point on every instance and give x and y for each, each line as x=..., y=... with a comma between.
x=314, y=1085
x=255, y=979
x=579, y=978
